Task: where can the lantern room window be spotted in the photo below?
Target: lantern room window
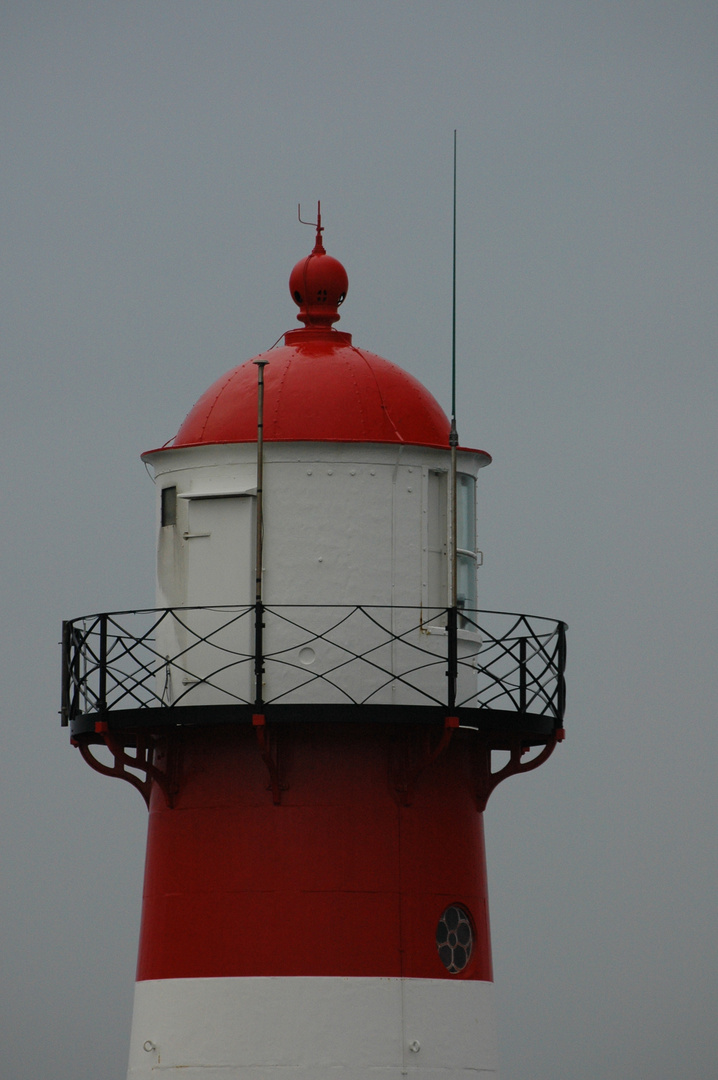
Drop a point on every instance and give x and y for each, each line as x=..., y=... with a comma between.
x=466, y=558
x=437, y=543
x=168, y=509
x=439, y=536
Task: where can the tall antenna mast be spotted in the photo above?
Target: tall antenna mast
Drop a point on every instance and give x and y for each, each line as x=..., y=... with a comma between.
x=453, y=443
x=453, y=310
x=453, y=434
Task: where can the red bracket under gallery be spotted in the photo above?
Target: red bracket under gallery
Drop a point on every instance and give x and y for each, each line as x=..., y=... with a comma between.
x=123, y=762
x=406, y=791
x=260, y=724
x=514, y=766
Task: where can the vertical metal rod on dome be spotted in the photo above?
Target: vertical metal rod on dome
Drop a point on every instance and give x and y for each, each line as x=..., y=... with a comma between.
x=452, y=658
x=259, y=540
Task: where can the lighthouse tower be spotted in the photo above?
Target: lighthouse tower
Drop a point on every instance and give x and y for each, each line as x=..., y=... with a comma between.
x=310, y=712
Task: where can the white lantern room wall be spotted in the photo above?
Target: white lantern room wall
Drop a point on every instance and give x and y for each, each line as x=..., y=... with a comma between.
x=344, y=524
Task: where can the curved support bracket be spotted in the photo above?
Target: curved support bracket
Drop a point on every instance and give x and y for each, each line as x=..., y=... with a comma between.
x=259, y=722
x=117, y=770
x=513, y=766
x=406, y=791
x=123, y=762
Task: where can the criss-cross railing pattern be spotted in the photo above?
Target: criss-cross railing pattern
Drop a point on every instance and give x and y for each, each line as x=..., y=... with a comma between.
x=349, y=654
x=365, y=652
x=119, y=660
x=522, y=662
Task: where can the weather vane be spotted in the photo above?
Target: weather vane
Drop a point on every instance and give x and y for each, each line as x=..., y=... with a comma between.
x=315, y=224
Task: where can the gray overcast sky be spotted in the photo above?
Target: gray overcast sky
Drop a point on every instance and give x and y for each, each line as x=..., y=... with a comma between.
x=151, y=160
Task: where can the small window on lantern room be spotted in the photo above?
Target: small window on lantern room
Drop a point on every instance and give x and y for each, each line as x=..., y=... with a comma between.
x=437, y=545
x=168, y=506
x=466, y=554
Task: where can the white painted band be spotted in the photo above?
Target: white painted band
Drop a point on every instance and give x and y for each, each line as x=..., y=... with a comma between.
x=309, y=1028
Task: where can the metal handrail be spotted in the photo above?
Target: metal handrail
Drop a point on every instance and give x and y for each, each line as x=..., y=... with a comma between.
x=369, y=654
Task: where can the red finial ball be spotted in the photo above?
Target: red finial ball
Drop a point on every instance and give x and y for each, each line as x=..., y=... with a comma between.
x=318, y=285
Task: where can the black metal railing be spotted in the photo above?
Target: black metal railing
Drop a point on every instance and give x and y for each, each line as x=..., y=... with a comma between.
x=324, y=654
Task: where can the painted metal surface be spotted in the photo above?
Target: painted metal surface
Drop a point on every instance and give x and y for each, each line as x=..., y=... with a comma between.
x=308, y=1028
x=357, y=522
x=342, y=878
x=343, y=523
x=318, y=386
x=318, y=284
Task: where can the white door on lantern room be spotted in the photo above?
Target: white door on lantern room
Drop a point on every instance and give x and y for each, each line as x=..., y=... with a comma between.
x=220, y=542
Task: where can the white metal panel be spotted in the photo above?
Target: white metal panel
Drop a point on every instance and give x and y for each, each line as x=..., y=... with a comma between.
x=220, y=565
x=321, y=1028
x=344, y=525
x=212, y=648
x=327, y=532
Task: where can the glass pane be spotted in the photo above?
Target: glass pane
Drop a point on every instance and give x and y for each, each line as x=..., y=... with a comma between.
x=454, y=939
x=437, y=564
x=465, y=581
x=169, y=506
x=466, y=512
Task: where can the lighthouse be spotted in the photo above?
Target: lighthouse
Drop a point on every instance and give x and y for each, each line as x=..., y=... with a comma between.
x=315, y=712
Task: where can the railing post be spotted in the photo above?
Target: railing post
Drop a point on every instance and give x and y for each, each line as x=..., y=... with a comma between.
x=65, y=706
x=452, y=670
x=76, y=673
x=102, y=702
x=522, y=675
x=258, y=653
x=561, y=670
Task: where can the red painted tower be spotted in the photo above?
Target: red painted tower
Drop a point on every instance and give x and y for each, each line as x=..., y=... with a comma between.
x=310, y=713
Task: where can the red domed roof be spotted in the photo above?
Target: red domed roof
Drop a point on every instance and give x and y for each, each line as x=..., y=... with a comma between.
x=318, y=387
